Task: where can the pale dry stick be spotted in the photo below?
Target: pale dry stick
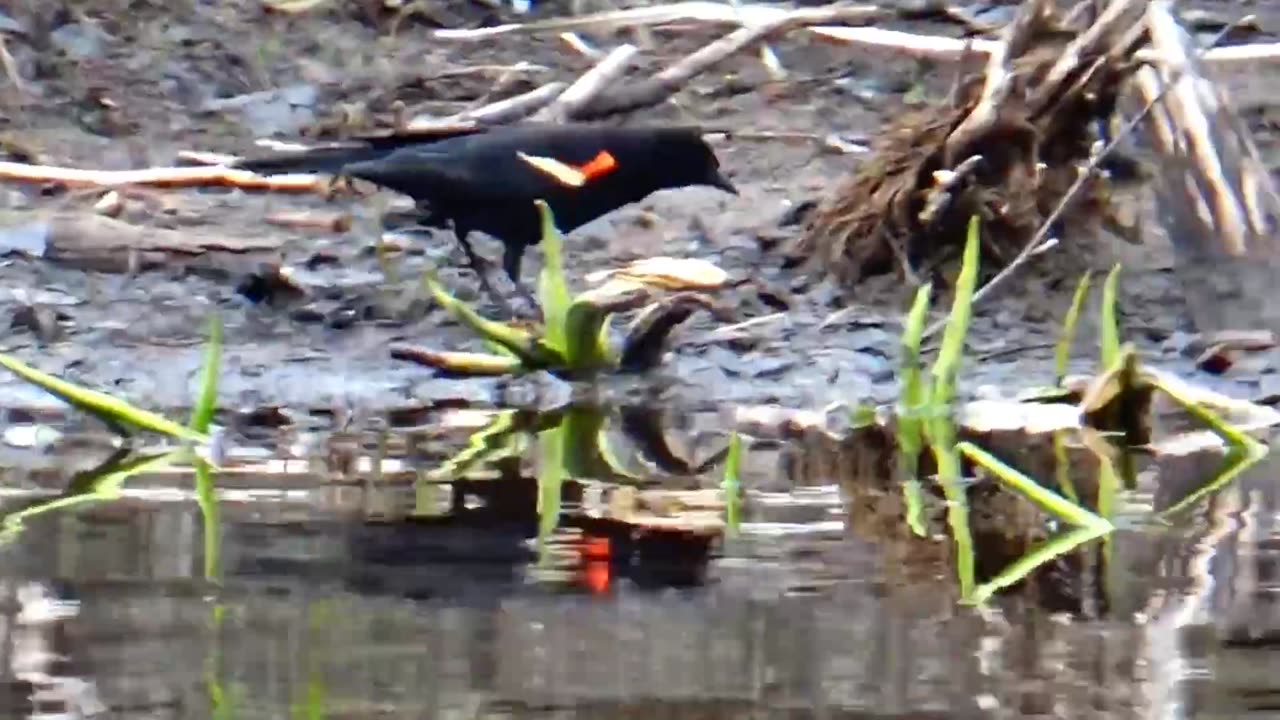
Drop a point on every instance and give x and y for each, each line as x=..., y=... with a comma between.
x=497, y=113
x=590, y=85
x=506, y=78
x=695, y=10
x=951, y=49
x=772, y=63
x=1033, y=245
x=10, y=66
x=654, y=90
x=200, y=176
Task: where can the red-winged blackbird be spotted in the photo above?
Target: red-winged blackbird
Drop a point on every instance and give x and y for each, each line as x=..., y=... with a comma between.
x=478, y=180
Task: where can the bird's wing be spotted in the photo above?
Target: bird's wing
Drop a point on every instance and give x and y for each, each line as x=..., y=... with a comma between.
x=450, y=171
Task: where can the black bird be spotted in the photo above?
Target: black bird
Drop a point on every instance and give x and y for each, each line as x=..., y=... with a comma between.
x=477, y=179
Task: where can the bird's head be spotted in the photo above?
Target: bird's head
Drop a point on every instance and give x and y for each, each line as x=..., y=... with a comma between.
x=680, y=157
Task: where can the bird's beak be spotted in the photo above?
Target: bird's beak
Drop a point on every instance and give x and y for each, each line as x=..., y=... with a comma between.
x=718, y=180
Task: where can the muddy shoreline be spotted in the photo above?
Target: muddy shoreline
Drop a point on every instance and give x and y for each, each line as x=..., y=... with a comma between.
x=169, y=77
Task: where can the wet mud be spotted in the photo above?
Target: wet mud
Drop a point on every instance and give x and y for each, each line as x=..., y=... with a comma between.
x=97, y=92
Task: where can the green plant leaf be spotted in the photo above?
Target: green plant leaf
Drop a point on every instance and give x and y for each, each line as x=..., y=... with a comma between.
x=110, y=409
x=951, y=353
x=1038, y=555
x=586, y=327
x=207, y=401
x=1048, y=500
x=553, y=291
x=731, y=485
x=913, y=391
x=940, y=434
x=1062, y=353
x=1109, y=327
x=551, y=476
x=533, y=354
x=100, y=484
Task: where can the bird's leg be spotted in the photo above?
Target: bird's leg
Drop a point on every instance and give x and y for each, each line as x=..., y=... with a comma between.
x=512, y=257
x=479, y=265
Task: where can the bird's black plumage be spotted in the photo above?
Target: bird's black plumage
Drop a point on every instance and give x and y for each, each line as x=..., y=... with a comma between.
x=478, y=181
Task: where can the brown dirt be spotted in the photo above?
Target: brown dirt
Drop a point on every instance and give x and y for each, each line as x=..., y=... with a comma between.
x=118, y=84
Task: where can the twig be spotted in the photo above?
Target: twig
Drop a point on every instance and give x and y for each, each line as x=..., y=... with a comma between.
x=952, y=49
x=696, y=10
x=497, y=113
x=589, y=86
x=160, y=177
x=666, y=83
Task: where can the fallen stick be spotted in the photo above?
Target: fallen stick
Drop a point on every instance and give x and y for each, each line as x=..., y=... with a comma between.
x=697, y=10
x=497, y=113
x=666, y=83
x=200, y=176
x=589, y=86
x=952, y=49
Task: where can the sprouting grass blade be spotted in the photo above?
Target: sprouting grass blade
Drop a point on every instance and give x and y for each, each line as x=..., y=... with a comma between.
x=951, y=353
x=1039, y=554
x=551, y=476
x=1062, y=353
x=1234, y=463
x=1048, y=500
x=493, y=441
x=99, y=485
x=1230, y=434
x=207, y=400
x=110, y=409
x=585, y=333
x=913, y=391
x=553, y=291
x=940, y=433
x=731, y=485
x=211, y=515
x=1109, y=327
x=522, y=344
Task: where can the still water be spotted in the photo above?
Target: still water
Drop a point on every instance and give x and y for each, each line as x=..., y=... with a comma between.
x=349, y=581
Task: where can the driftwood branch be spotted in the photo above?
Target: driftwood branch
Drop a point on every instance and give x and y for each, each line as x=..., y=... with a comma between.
x=588, y=87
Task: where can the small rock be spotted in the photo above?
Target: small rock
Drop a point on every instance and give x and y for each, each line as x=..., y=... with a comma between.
x=269, y=112
x=10, y=25
x=31, y=239
x=79, y=40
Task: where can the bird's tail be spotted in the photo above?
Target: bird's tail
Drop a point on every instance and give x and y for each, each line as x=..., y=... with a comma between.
x=332, y=157
x=323, y=159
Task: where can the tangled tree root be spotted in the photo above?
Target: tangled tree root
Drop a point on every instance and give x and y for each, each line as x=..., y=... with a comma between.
x=1009, y=148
